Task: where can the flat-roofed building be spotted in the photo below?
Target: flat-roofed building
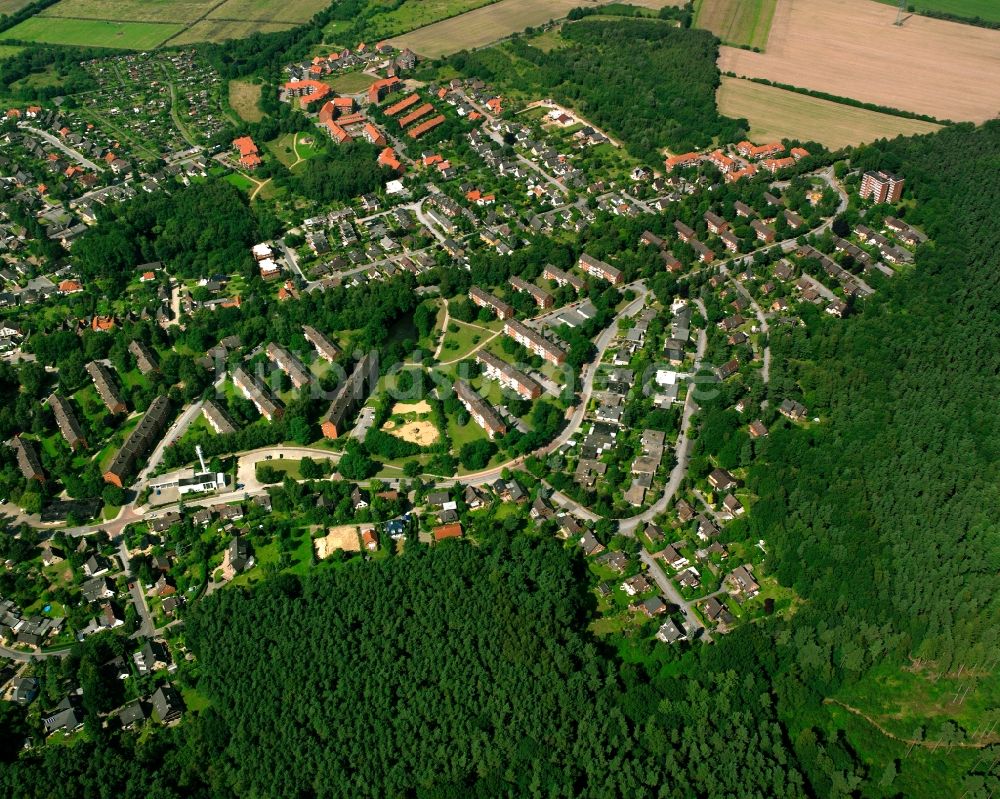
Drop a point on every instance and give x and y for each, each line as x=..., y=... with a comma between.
x=351, y=395
x=508, y=376
x=140, y=441
x=534, y=341
x=254, y=390
x=107, y=387
x=480, y=410
x=324, y=347
x=289, y=364
x=66, y=419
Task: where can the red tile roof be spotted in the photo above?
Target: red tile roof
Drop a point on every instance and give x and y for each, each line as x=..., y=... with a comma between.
x=447, y=531
x=244, y=144
x=402, y=105
x=388, y=158
x=415, y=114
x=423, y=127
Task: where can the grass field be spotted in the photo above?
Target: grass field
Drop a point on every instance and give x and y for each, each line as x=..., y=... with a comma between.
x=147, y=24
x=218, y=30
x=351, y=82
x=482, y=26
x=851, y=49
x=9, y=51
x=777, y=114
x=94, y=33
x=12, y=6
x=739, y=22
x=984, y=9
x=243, y=98
x=242, y=182
x=283, y=11
x=131, y=10
x=413, y=14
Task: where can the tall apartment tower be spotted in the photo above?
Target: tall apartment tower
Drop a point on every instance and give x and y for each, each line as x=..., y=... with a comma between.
x=881, y=187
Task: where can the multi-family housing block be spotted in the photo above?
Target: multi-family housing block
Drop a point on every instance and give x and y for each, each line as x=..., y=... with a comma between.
x=508, y=376
x=534, y=341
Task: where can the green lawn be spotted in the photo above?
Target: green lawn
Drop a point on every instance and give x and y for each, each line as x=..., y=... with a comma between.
x=286, y=466
x=351, y=82
x=94, y=32
x=458, y=344
x=9, y=51
x=282, y=148
x=242, y=182
x=463, y=435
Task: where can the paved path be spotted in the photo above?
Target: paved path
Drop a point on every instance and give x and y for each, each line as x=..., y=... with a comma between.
x=444, y=331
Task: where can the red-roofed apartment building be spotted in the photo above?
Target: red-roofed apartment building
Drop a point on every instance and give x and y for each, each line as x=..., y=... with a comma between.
x=308, y=91
x=380, y=88
x=374, y=135
x=684, y=159
x=750, y=150
x=388, y=158
x=248, y=152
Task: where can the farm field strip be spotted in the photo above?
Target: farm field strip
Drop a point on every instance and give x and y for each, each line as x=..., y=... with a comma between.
x=94, y=33
x=739, y=22
x=984, y=9
x=778, y=113
x=12, y=6
x=482, y=26
x=852, y=49
x=270, y=11
x=216, y=30
x=413, y=15
x=174, y=11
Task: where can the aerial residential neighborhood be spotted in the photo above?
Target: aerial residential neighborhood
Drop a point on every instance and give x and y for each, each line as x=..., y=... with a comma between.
x=573, y=399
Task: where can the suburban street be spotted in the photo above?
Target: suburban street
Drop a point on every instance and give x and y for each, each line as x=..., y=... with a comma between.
x=55, y=141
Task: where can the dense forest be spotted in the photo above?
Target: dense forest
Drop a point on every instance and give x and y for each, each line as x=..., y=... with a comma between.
x=458, y=671
x=204, y=230
x=645, y=81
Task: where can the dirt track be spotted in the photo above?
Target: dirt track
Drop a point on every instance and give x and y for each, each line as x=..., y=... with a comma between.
x=851, y=48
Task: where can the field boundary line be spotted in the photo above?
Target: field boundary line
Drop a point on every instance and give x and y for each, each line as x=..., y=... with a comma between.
x=191, y=24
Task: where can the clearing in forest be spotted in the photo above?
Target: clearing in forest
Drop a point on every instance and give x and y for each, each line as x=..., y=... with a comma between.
x=244, y=98
x=778, y=114
x=344, y=536
x=851, y=48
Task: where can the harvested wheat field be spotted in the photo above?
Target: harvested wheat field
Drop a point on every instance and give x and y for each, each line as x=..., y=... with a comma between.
x=779, y=114
x=481, y=26
x=344, y=536
x=852, y=49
